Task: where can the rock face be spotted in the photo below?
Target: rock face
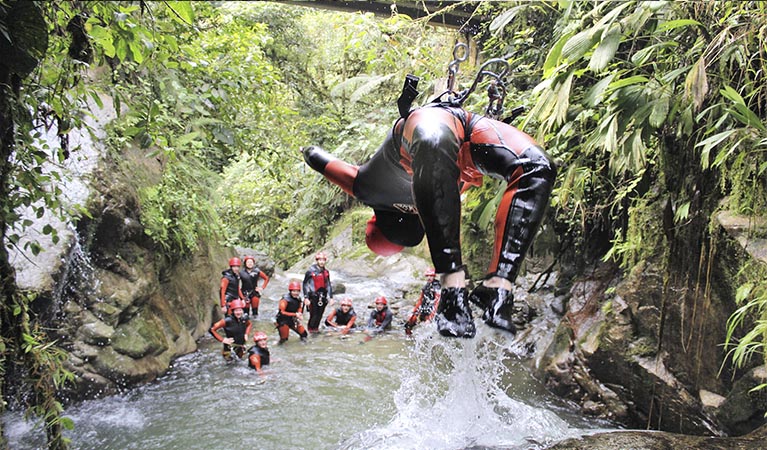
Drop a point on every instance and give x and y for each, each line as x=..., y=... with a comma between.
x=645, y=350
x=122, y=310
x=121, y=307
x=649, y=440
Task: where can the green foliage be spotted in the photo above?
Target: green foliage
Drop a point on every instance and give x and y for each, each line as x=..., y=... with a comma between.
x=342, y=96
x=751, y=295
x=177, y=213
x=655, y=112
x=44, y=363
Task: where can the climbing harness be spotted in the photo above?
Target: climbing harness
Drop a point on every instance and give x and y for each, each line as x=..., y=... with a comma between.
x=495, y=69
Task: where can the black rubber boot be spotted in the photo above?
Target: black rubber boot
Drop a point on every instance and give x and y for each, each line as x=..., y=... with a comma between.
x=454, y=317
x=483, y=296
x=498, y=304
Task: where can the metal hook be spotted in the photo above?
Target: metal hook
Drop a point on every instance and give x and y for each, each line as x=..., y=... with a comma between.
x=452, y=68
x=497, y=89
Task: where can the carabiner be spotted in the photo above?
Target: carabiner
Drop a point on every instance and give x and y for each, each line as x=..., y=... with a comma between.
x=452, y=68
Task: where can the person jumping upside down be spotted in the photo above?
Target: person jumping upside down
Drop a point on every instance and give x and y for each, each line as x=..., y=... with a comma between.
x=413, y=183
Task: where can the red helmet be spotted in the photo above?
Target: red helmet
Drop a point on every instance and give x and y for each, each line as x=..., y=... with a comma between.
x=236, y=303
x=430, y=273
x=321, y=255
x=234, y=262
x=248, y=257
x=381, y=300
x=294, y=285
x=346, y=301
x=260, y=336
x=377, y=242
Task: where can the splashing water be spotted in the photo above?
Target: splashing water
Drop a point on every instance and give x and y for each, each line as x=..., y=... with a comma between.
x=455, y=394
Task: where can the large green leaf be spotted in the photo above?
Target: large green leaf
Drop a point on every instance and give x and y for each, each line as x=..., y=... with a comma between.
x=578, y=45
x=606, y=49
x=696, y=83
x=554, y=56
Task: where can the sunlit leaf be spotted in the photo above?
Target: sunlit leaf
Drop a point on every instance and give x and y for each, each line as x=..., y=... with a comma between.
x=183, y=11
x=712, y=142
x=696, y=83
x=682, y=212
x=606, y=49
x=578, y=45
x=673, y=24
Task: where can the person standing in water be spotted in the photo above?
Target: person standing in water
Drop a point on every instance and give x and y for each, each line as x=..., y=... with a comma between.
x=230, y=285
x=318, y=290
x=250, y=288
x=289, y=314
x=426, y=305
x=236, y=327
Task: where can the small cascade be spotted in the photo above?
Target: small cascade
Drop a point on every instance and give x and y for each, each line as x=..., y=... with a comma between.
x=77, y=282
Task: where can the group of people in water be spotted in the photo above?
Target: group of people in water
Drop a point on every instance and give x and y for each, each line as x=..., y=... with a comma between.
x=241, y=288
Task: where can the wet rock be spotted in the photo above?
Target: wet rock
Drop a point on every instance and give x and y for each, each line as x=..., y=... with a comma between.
x=140, y=337
x=710, y=400
x=743, y=408
x=94, y=331
x=657, y=440
x=559, y=305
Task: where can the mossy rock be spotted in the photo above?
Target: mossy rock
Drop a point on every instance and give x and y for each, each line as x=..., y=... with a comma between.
x=140, y=337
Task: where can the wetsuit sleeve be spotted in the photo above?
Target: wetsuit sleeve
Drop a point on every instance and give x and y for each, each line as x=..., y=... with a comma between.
x=330, y=287
x=217, y=326
x=329, y=321
x=224, y=285
x=264, y=277
x=247, y=330
x=308, y=283
x=255, y=360
x=283, y=305
x=418, y=302
x=372, y=320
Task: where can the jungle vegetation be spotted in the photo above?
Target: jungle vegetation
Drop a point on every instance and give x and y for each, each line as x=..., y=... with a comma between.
x=655, y=111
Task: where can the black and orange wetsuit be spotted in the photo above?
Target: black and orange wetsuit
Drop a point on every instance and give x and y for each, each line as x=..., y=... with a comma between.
x=287, y=317
x=249, y=284
x=258, y=357
x=230, y=287
x=414, y=181
x=339, y=319
x=318, y=289
x=380, y=320
x=237, y=329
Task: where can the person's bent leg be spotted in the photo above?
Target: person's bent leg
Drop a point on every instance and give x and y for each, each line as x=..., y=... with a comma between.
x=530, y=177
x=301, y=331
x=434, y=149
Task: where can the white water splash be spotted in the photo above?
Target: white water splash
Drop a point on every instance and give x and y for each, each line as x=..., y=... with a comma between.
x=453, y=396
